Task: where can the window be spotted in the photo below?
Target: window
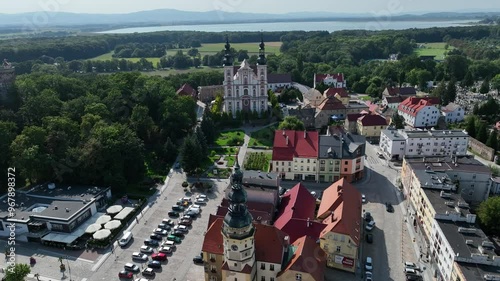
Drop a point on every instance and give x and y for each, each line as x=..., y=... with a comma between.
x=338, y=248
x=263, y=278
x=272, y=279
x=271, y=267
x=345, y=162
x=345, y=169
x=298, y=277
x=263, y=266
x=245, y=92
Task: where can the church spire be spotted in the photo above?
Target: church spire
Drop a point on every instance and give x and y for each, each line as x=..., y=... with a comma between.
x=262, y=51
x=228, y=58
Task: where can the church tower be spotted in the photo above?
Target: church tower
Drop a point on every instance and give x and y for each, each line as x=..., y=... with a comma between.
x=262, y=74
x=228, y=79
x=238, y=234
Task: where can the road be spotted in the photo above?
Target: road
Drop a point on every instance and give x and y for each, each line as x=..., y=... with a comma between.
x=302, y=88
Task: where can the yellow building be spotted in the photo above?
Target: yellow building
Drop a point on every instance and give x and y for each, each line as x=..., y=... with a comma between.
x=340, y=210
x=370, y=125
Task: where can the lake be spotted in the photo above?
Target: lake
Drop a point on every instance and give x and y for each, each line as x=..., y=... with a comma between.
x=330, y=26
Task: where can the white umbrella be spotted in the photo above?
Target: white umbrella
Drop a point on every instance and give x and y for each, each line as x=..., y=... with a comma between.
x=102, y=234
x=103, y=219
x=93, y=228
x=115, y=209
x=114, y=224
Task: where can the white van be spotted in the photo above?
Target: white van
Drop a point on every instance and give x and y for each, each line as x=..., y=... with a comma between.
x=127, y=236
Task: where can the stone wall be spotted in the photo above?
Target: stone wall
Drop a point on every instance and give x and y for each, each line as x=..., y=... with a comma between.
x=481, y=149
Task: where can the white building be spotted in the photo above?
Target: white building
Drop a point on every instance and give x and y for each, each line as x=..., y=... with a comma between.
x=453, y=113
x=279, y=81
x=396, y=144
x=245, y=88
x=392, y=102
x=420, y=112
x=335, y=80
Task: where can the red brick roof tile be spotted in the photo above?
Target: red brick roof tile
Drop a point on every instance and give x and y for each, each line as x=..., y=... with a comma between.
x=213, y=243
x=331, y=103
x=297, y=145
x=330, y=92
x=413, y=105
x=307, y=258
x=338, y=76
x=270, y=243
x=372, y=120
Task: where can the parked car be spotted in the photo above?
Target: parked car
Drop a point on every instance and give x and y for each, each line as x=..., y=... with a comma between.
x=369, y=238
x=170, y=244
x=411, y=277
x=154, y=264
x=198, y=259
x=185, y=222
x=186, y=217
x=363, y=198
x=125, y=274
x=201, y=196
x=368, y=217
x=369, y=226
x=151, y=242
x=191, y=214
x=148, y=272
x=174, y=238
x=181, y=228
x=146, y=249
x=165, y=250
x=410, y=265
x=173, y=214
x=178, y=233
x=131, y=267
x=161, y=231
x=139, y=256
x=369, y=276
x=164, y=226
x=177, y=208
x=159, y=257
x=389, y=207
x=410, y=271
x=155, y=236
x=369, y=264
x=200, y=201
x=196, y=211
x=142, y=279
x=168, y=222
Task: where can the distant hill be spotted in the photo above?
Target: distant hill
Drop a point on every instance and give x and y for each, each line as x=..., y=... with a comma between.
x=176, y=17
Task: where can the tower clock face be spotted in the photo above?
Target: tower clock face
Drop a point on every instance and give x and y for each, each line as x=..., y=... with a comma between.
x=234, y=247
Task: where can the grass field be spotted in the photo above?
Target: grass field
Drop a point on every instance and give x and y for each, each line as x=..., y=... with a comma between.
x=167, y=72
x=231, y=138
x=432, y=49
x=263, y=137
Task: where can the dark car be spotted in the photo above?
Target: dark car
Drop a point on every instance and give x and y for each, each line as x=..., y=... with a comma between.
x=154, y=264
x=151, y=242
x=125, y=274
x=178, y=233
x=185, y=222
x=177, y=208
x=412, y=277
x=164, y=226
x=156, y=236
x=173, y=214
x=369, y=238
x=368, y=217
x=148, y=272
x=191, y=214
x=389, y=207
x=198, y=259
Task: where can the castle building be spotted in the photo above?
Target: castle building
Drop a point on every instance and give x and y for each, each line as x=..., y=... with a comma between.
x=245, y=87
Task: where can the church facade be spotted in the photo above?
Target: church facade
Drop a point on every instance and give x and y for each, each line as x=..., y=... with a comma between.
x=245, y=86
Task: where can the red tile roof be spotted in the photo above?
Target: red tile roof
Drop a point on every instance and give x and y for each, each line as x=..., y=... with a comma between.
x=213, y=243
x=331, y=103
x=330, y=92
x=343, y=201
x=296, y=146
x=338, y=76
x=186, y=90
x=270, y=243
x=372, y=120
x=296, y=228
x=413, y=105
x=307, y=258
x=354, y=117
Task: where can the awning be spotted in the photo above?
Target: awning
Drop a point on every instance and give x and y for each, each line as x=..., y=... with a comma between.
x=115, y=209
x=114, y=224
x=124, y=213
x=93, y=228
x=103, y=219
x=102, y=234
x=60, y=237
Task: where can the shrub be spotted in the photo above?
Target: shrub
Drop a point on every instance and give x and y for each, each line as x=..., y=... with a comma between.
x=185, y=184
x=213, y=153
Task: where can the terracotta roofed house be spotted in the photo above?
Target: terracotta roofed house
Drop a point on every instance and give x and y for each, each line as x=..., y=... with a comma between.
x=339, y=93
x=370, y=125
x=307, y=262
x=335, y=80
x=330, y=107
x=420, y=112
x=187, y=90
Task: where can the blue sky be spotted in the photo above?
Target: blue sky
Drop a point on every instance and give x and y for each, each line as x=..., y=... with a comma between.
x=255, y=6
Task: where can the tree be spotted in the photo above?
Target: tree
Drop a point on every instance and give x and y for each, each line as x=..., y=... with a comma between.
x=191, y=154
x=451, y=92
x=470, y=126
x=493, y=140
x=489, y=214
x=200, y=137
x=193, y=52
x=208, y=127
x=17, y=272
x=440, y=91
x=495, y=82
x=291, y=123
x=468, y=80
x=482, y=133
x=398, y=121
x=373, y=90
x=485, y=86
x=456, y=66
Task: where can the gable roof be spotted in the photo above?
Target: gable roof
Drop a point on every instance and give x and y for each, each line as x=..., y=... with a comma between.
x=403, y=91
x=296, y=203
x=313, y=94
x=213, y=242
x=396, y=99
x=307, y=251
x=341, y=205
x=321, y=77
x=354, y=117
x=413, y=105
x=270, y=243
x=296, y=146
x=450, y=107
x=186, y=90
x=279, y=78
x=372, y=120
x=296, y=228
x=332, y=91
x=331, y=103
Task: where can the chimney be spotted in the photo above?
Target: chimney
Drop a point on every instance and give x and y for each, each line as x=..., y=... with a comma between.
x=308, y=222
x=283, y=132
x=286, y=140
x=305, y=134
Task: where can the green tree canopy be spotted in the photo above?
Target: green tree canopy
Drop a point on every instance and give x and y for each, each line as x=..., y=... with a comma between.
x=291, y=123
x=485, y=87
x=398, y=121
x=489, y=214
x=493, y=140
x=482, y=133
x=470, y=126
x=17, y=272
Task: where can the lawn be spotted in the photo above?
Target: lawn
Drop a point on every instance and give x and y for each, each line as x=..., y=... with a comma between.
x=230, y=138
x=432, y=49
x=252, y=48
x=109, y=56
x=263, y=137
x=168, y=72
x=258, y=161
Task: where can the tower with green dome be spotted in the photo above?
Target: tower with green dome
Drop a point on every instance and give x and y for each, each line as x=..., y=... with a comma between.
x=237, y=229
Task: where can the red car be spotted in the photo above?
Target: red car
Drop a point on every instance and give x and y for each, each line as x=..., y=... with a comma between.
x=159, y=257
x=126, y=274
